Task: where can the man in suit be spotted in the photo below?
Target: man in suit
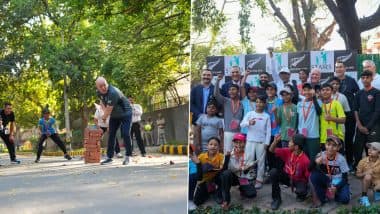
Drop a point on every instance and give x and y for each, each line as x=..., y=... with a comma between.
x=200, y=95
x=235, y=76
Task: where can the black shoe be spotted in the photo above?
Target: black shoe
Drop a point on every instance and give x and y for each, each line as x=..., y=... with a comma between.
x=218, y=197
x=67, y=156
x=275, y=204
x=143, y=155
x=15, y=161
x=37, y=160
x=106, y=161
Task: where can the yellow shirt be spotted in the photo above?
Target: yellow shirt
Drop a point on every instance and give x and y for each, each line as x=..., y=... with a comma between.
x=336, y=110
x=216, y=161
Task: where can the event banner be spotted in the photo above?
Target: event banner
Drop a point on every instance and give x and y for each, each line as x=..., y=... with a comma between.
x=294, y=61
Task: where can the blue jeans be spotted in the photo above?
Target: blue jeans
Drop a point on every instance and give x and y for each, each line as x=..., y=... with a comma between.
x=114, y=125
x=321, y=182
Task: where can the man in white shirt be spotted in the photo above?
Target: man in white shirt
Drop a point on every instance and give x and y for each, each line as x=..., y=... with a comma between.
x=137, y=111
x=371, y=66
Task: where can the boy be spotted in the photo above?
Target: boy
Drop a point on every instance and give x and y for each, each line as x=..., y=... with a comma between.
x=295, y=172
x=192, y=178
x=332, y=116
x=207, y=126
x=209, y=165
x=46, y=126
x=367, y=113
x=249, y=98
x=287, y=117
x=329, y=176
x=233, y=113
x=309, y=111
x=258, y=137
x=369, y=171
x=239, y=172
x=7, y=124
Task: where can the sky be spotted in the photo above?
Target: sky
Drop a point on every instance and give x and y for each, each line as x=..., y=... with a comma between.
x=266, y=28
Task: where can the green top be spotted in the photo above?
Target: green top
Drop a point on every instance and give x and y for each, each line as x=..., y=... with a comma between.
x=287, y=116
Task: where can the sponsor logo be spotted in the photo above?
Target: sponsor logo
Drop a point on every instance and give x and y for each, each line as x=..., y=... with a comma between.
x=251, y=63
x=370, y=98
x=212, y=65
x=344, y=58
x=295, y=61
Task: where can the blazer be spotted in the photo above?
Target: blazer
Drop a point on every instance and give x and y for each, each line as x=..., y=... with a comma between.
x=196, y=101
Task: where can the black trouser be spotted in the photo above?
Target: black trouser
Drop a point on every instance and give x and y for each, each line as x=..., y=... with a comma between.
x=137, y=133
x=278, y=176
x=228, y=179
x=349, y=138
x=125, y=124
x=360, y=142
x=272, y=160
x=56, y=140
x=201, y=193
x=10, y=145
x=117, y=146
x=192, y=185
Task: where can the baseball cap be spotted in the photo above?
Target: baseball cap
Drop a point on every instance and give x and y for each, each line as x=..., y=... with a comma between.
x=286, y=89
x=374, y=145
x=239, y=136
x=334, y=139
x=272, y=85
x=253, y=88
x=285, y=70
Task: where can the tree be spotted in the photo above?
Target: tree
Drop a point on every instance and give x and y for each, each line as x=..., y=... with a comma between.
x=350, y=26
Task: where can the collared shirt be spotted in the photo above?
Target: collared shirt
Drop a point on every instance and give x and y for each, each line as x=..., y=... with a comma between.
x=136, y=113
x=206, y=94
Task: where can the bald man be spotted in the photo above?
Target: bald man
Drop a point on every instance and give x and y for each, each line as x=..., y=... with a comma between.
x=117, y=106
x=371, y=66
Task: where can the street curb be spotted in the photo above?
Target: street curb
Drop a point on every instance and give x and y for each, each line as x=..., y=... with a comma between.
x=76, y=153
x=174, y=149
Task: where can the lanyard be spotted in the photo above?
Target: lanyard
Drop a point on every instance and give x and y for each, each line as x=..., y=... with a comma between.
x=287, y=114
x=292, y=168
x=306, y=114
x=235, y=107
x=328, y=167
x=270, y=111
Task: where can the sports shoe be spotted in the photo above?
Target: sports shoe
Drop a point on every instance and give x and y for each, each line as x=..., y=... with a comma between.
x=67, y=156
x=258, y=185
x=15, y=161
x=106, y=161
x=119, y=155
x=126, y=160
x=192, y=206
x=37, y=160
x=376, y=196
x=364, y=201
x=143, y=155
x=275, y=204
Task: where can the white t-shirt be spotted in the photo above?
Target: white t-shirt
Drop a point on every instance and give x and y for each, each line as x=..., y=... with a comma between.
x=259, y=132
x=98, y=115
x=136, y=113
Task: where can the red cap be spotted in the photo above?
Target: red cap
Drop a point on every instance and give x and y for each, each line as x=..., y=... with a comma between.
x=239, y=136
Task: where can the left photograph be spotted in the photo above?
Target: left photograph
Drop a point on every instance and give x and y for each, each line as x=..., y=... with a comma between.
x=94, y=106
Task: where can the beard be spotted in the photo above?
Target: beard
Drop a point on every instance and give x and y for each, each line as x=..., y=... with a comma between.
x=264, y=83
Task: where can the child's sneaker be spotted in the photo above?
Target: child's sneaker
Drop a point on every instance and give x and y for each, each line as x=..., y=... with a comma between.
x=258, y=185
x=376, y=196
x=364, y=201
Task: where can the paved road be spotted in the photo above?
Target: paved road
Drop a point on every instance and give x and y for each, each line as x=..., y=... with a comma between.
x=147, y=185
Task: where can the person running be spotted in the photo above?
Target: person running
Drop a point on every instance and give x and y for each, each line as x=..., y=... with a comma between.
x=7, y=120
x=46, y=125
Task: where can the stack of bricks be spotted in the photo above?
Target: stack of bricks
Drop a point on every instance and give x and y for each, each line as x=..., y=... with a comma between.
x=92, y=149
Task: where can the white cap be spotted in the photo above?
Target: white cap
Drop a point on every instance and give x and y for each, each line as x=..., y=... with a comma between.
x=285, y=70
x=375, y=145
x=286, y=89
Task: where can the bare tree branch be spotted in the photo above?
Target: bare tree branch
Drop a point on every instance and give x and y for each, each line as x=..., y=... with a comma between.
x=325, y=35
x=297, y=23
x=369, y=22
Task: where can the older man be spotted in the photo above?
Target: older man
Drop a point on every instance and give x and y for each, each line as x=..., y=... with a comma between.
x=117, y=106
x=370, y=66
x=235, y=76
x=200, y=95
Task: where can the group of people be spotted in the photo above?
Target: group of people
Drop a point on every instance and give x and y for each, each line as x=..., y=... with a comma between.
x=307, y=134
x=114, y=111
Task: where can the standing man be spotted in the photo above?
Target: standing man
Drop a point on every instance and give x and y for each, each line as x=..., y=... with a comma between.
x=137, y=111
x=117, y=106
x=161, y=138
x=200, y=95
x=349, y=88
x=7, y=120
x=371, y=66
x=235, y=76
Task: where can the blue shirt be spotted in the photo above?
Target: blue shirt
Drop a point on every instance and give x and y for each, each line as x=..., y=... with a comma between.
x=247, y=107
x=311, y=123
x=192, y=167
x=206, y=93
x=269, y=109
x=47, y=125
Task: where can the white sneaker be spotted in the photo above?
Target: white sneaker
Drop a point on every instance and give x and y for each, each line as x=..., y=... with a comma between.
x=126, y=160
x=119, y=155
x=192, y=206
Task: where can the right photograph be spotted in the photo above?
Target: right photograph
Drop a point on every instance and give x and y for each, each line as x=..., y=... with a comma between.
x=284, y=107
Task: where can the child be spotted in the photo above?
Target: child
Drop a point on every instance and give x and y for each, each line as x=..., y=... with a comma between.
x=332, y=116
x=287, y=117
x=209, y=165
x=369, y=171
x=233, y=113
x=192, y=177
x=308, y=112
x=329, y=176
x=104, y=126
x=367, y=113
x=207, y=126
x=258, y=136
x=46, y=126
x=239, y=172
x=295, y=172
x=249, y=98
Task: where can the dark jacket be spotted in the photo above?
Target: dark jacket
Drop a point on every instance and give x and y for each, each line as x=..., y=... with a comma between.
x=196, y=101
